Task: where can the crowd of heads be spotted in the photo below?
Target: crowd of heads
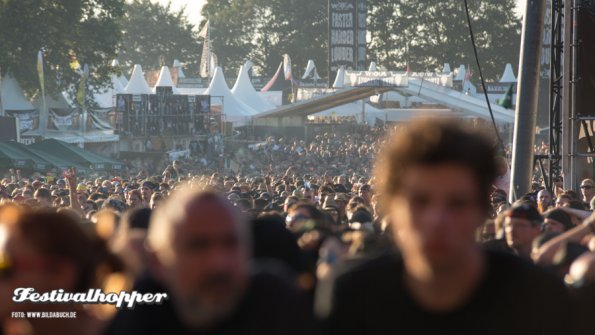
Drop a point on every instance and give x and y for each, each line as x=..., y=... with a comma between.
x=427, y=189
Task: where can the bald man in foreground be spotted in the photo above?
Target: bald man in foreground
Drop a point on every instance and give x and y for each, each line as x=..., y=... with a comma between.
x=201, y=246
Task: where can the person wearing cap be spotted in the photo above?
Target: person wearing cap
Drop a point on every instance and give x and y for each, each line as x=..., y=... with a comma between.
x=522, y=224
x=587, y=190
x=557, y=220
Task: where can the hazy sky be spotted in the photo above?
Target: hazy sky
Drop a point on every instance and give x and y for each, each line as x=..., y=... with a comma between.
x=193, y=7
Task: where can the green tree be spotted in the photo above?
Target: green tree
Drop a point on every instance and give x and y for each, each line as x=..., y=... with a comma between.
x=427, y=34
x=154, y=35
x=86, y=28
x=264, y=30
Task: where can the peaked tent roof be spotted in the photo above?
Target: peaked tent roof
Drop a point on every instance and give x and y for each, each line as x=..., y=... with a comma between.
x=234, y=110
x=77, y=155
x=340, y=79
x=373, y=67
x=165, y=80
x=311, y=72
x=12, y=95
x=58, y=102
x=461, y=73
x=122, y=79
x=105, y=97
x=446, y=68
x=245, y=92
x=137, y=83
x=117, y=85
x=508, y=75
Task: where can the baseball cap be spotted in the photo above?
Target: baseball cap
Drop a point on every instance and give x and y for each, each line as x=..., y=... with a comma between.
x=524, y=211
x=560, y=216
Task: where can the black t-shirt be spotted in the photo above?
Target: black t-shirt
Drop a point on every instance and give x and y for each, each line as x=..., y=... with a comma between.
x=514, y=297
x=270, y=306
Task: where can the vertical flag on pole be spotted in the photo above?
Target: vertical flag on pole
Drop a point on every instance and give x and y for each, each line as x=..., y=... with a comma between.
x=287, y=67
x=205, y=60
x=40, y=72
x=80, y=95
x=43, y=113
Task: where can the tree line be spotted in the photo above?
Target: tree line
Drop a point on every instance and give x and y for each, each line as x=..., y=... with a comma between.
x=421, y=34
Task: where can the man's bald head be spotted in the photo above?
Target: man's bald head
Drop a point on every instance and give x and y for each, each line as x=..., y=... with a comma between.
x=185, y=204
x=202, y=246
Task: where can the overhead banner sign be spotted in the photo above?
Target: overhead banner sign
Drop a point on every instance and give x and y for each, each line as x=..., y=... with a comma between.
x=347, y=35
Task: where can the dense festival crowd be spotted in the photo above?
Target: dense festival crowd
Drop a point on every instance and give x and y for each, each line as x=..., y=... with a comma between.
x=384, y=231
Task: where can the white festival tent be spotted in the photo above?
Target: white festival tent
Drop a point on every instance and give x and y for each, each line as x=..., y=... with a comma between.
x=165, y=80
x=311, y=72
x=121, y=78
x=508, y=75
x=460, y=74
x=137, y=83
x=373, y=67
x=12, y=96
x=235, y=111
x=340, y=79
x=446, y=68
x=105, y=98
x=245, y=92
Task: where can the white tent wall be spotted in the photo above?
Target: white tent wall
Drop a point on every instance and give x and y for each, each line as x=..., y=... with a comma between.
x=245, y=92
x=234, y=110
x=274, y=98
x=352, y=109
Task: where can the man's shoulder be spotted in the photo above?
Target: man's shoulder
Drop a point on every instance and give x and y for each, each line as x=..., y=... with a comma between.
x=524, y=278
x=357, y=280
x=507, y=263
x=368, y=269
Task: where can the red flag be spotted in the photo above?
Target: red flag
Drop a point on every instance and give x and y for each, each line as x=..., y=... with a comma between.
x=273, y=80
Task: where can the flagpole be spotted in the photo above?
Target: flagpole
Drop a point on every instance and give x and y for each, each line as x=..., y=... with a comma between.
x=1, y=103
x=209, y=74
x=43, y=116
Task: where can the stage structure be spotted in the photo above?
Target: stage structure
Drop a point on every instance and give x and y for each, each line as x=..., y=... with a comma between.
x=347, y=36
x=572, y=77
